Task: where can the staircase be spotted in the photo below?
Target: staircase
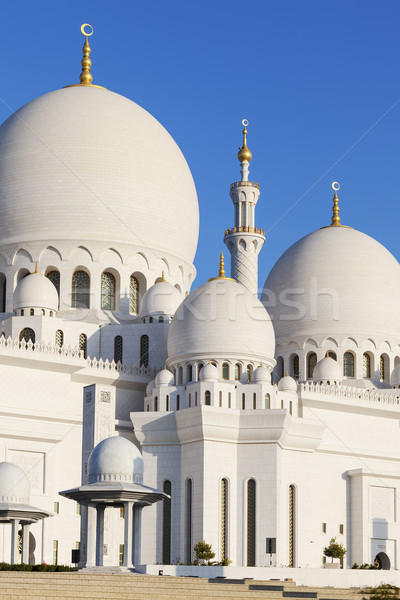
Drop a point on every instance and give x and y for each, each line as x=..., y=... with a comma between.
x=17, y=585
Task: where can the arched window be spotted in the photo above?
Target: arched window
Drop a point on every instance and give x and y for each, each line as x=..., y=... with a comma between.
x=224, y=519
x=251, y=523
x=220, y=398
x=243, y=401
x=83, y=344
x=207, y=398
x=295, y=366
x=27, y=334
x=54, y=277
x=189, y=373
x=225, y=371
x=292, y=524
x=167, y=402
x=151, y=320
x=144, y=351
x=118, y=348
x=311, y=362
x=155, y=403
x=161, y=319
x=249, y=372
x=254, y=401
x=238, y=371
x=107, y=291
x=59, y=338
x=166, y=540
x=178, y=402
x=331, y=354
x=199, y=368
x=31, y=312
x=279, y=367
x=133, y=295
x=229, y=400
x=180, y=375
x=382, y=369
x=188, y=521
x=348, y=364
x=22, y=312
x=366, y=365
x=267, y=401
x=80, y=289
x=291, y=407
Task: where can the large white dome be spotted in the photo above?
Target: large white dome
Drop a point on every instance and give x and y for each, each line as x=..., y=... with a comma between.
x=84, y=163
x=221, y=319
x=115, y=459
x=35, y=291
x=335, y=282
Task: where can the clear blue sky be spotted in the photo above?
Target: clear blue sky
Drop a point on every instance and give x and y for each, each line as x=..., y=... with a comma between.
x=318, y=81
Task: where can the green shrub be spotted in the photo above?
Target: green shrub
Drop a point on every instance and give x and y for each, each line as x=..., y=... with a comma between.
x=385, y=591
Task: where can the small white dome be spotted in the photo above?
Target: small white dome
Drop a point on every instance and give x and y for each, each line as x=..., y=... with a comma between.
x=261, y=374
x=14, y=484
x=395, y=379
x=161, y=299
x=327, y=369
x=223, y=320
x=35, y=291
x=209, y=373
x=115, y=459
x=164, y=377
x=287, y=384
x=150, y=386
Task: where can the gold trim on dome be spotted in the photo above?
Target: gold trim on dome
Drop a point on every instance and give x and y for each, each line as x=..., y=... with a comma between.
x=244, y=153
x=335, y=210
x=86, y=76
x=221, y=271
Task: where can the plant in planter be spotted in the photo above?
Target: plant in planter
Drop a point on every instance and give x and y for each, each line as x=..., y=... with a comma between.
x=335, y=550
x=204, y=553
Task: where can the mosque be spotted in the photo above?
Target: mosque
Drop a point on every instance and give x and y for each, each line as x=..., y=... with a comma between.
x=141, y=414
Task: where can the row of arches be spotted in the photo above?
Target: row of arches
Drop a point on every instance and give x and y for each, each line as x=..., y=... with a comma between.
x=228, y=372
x=248, y=402
x=27, y=335
x=349, y=365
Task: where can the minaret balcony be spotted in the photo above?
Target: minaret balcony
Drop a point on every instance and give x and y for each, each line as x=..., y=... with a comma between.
x=244, y=229
x=236, y=184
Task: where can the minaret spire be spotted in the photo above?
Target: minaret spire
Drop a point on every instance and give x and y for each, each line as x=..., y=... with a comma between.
x=244, y=240
x=335, y=210
x=86, y=77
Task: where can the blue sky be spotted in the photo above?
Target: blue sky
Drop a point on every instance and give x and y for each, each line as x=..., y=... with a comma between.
x=318, y=81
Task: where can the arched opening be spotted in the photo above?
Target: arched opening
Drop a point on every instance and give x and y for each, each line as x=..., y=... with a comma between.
x=59, y=338
x=199, y=368
x=180, y=375
x=166, y=540
x=80, y=290
x=108, y=287
x=118, y=348
x=294, y=366
x=366, y=365
x=251, y=523
x=27, y=335
x=311, y=362
x=54, y=277
x=267, y=401
x=144, y=351
x=279, y=369
x=155, y=403
x=3, y=291
x=384, y=367
x=207, y=398
x=225, y=371
x=189, y=373
x=83, y=344
x=382, y=561
x=249, y=372
x=348, y=364
x=224, y=519
x=238, y=371
x=137, y=287
x=331, y=354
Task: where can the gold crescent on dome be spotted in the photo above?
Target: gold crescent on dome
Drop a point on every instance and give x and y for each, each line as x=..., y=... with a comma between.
x=335, y=186
x=245, y=122
x=86, y=33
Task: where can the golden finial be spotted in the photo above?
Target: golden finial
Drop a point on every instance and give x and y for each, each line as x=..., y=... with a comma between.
x=335, y=216
x=86, y=77
x=162, y=276
x=36, y=267
x=244, y=153
x=221, y=271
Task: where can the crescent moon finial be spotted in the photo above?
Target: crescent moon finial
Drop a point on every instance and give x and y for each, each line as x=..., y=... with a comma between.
x=335, y=186
x=84, y=32
x=245, y=122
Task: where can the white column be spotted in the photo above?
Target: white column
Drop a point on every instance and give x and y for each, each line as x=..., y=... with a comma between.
x=14, y=541
x=100, y=508
x=137, y=533
x=25, y=543
x=91, y=537
x=128, y=534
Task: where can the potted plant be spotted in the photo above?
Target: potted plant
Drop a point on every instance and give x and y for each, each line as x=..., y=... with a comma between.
x=334, y=550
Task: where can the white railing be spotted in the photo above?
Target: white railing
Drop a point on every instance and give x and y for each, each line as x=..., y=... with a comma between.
x=69, y=352
x=391, y=397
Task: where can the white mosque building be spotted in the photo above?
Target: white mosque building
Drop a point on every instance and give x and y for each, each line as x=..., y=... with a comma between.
x=252, y=424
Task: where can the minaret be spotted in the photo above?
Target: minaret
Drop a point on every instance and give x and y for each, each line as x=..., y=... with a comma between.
x=244, y=240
